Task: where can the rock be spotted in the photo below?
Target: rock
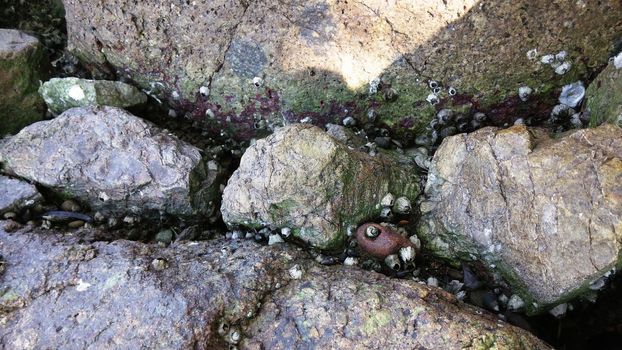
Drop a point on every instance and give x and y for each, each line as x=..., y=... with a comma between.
x=61, y=94
x=304, y=179
x=21, y=61
x=17, y=194
x=545, y=213
x=604, y=96
x=114, y=162
x=345, y=135
x=231, y=63
x=347, y=308
x=69, y=291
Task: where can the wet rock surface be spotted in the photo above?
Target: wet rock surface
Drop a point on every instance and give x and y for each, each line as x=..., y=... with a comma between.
x=61, y=94
x=69, y=291
x=115, y=162
x=305, y=180
x=21, y=60
x=16, y=194
x=604, y=95
x=543, y=212
x=268, y=60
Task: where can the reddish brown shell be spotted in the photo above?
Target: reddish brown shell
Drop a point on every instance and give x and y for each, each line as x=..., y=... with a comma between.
x=388, y=241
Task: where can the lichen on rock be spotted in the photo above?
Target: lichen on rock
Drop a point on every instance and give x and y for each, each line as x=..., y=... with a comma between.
x=302, y=178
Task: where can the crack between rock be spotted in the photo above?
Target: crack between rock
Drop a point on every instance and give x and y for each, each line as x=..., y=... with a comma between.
x=234, y=32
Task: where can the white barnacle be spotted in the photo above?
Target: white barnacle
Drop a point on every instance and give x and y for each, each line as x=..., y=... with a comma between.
x=452, y=91
x=373, y=85
x=407, y=254
x=572, y=94
x=524, y=92
x=563, y=68
x=388, y=200
x=257, y=81
x=547, y=59
x=433, y=99
x=433, y=84
x=204, y=91
x=617, y=61
x=532, y=54
x=560, y=56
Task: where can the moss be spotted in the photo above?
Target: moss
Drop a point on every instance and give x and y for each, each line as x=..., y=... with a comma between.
x=20, y=103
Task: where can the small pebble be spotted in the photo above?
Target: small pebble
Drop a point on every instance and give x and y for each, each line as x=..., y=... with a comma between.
x=75, y=224
x=515, y=303
x=12, y=226
x=99, y=217
x=295, y=272
x=159, y=264
x=70, y=205
x=559, y=311
x=165, y=237
x=286, y=232
x=402, y=205
x=432, y=282
x=275, y=239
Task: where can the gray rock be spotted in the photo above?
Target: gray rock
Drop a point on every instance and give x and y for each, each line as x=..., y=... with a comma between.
x=347, y=308
x=604, y=96
x=17, y=194
x=61, y=94
x=71, y=292
x=115, y=162
x=545, y=213
x=304, y=179
x=289, y=60
x=21, y=61
x=345, y=135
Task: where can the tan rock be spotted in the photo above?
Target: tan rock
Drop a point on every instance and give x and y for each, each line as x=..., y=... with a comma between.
x=544, y=212
x=303, y=179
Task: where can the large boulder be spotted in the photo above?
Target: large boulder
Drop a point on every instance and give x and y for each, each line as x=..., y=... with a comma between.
x=70, y=292
x=61, y=94
x=233, y=63
x=115, y=162
x=604, y=95
x=348, y=308
x=21, y=60
x=302, y=178
x=546, y=213
x=17, y=194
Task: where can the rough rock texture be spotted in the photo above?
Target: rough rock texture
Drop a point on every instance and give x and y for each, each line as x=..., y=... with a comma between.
x=60, y=94
x=317, y=59
x=16, y=194
x=347, y=308
x=115, y=162
x=65, y=292
x=545, y=212
x=604, y=95
x=304, y=179
x=71, y=292
x=21, y=58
